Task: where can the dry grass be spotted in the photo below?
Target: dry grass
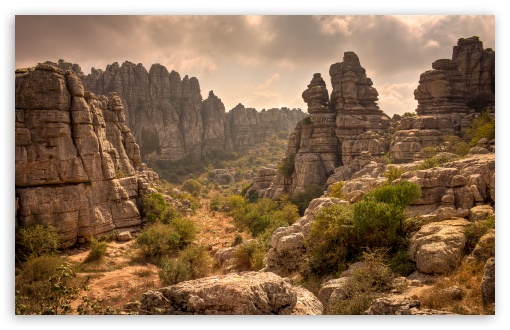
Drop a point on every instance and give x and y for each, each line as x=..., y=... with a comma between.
x=468, y=278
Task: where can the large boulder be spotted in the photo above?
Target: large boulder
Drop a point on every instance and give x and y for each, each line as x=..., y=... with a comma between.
x=251, y=293
x=438, y=247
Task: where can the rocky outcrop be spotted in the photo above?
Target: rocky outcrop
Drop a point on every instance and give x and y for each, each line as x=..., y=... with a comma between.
x=438, y=247
x=459, y=184
x=171, y=121
x=251, y=293
x=449, y=97
x=78, y=166
x=341, y=129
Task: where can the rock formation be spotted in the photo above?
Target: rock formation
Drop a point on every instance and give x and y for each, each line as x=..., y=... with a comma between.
x=78, y=166
x=340, y=130
x=171, y=121
x=251, y=293
x=449, y=97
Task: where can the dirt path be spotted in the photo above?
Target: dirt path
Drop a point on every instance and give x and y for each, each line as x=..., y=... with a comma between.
x=118, y=280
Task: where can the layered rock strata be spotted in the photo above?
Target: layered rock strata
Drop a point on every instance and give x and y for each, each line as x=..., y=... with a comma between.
x=78, y=166
x=449, y=97
x=170, y=119
x=340, y=130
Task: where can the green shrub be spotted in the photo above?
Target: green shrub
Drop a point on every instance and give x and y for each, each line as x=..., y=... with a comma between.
x=237, y=240
x=45, y=285
x=409, y=114
x=302, y=199
x=35, y=241
x=263, y=215
x=185, y=229
x=287, y=166
x=336, y=190
x=192, y=186
x=392, y=173
x=158, y=239
x=476, y=230
x=378, y=218
x=330, y=239
x=193, y=201
x=171, y=214
x=455, y=145
x=245, y=188
x=192, y=263
x=307, y=121
x=97, y=250
x=400, y=263
x=363, y=285
x=376, y=223
x=481, y=127
x=250, y=256
x=402, y=194
x=154, y=207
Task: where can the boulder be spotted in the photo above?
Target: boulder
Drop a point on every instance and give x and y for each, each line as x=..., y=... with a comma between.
x=251, y=293
x=488, y=284
x=438, y=247
x=480, y=212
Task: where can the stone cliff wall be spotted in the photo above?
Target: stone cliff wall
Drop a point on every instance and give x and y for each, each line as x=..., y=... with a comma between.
x=170, y=120
x=78, y=166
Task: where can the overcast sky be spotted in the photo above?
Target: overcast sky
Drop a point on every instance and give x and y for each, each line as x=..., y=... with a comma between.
x=259, y=61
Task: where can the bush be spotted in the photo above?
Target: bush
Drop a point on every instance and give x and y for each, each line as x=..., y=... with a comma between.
x=476, y=230
x=401, y=194
x=97, y=251
x=250, y=256
x=302, y=199
x=378, y=218
x=376, y=223
x=363, y=285
x=392, y=173
x=158, y=239
x=193, y=262
x=185, y=229
x=192, y=186
x=336, y=190
x=35, y=241
x=409, y=114
x=154, y=207
x=45, y=285
x=328, y=246
x=481, y=127
x=263, y=215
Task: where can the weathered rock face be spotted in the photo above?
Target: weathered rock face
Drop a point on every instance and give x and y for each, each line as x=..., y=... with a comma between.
x=252, y=293
x=438, y=247
x=453, y=83
x=76, y=160
x=170, y=120
x=339, y=132
x=459, y=184
x=449, y=97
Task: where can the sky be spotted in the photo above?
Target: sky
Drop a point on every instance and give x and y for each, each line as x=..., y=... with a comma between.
x=263, y=61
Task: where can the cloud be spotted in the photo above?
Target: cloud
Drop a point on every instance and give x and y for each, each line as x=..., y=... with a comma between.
x=245, y=49
x=397, y=98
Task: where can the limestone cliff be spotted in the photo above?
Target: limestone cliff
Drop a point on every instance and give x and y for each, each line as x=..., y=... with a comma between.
x=171, y=121
x=78, y=166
